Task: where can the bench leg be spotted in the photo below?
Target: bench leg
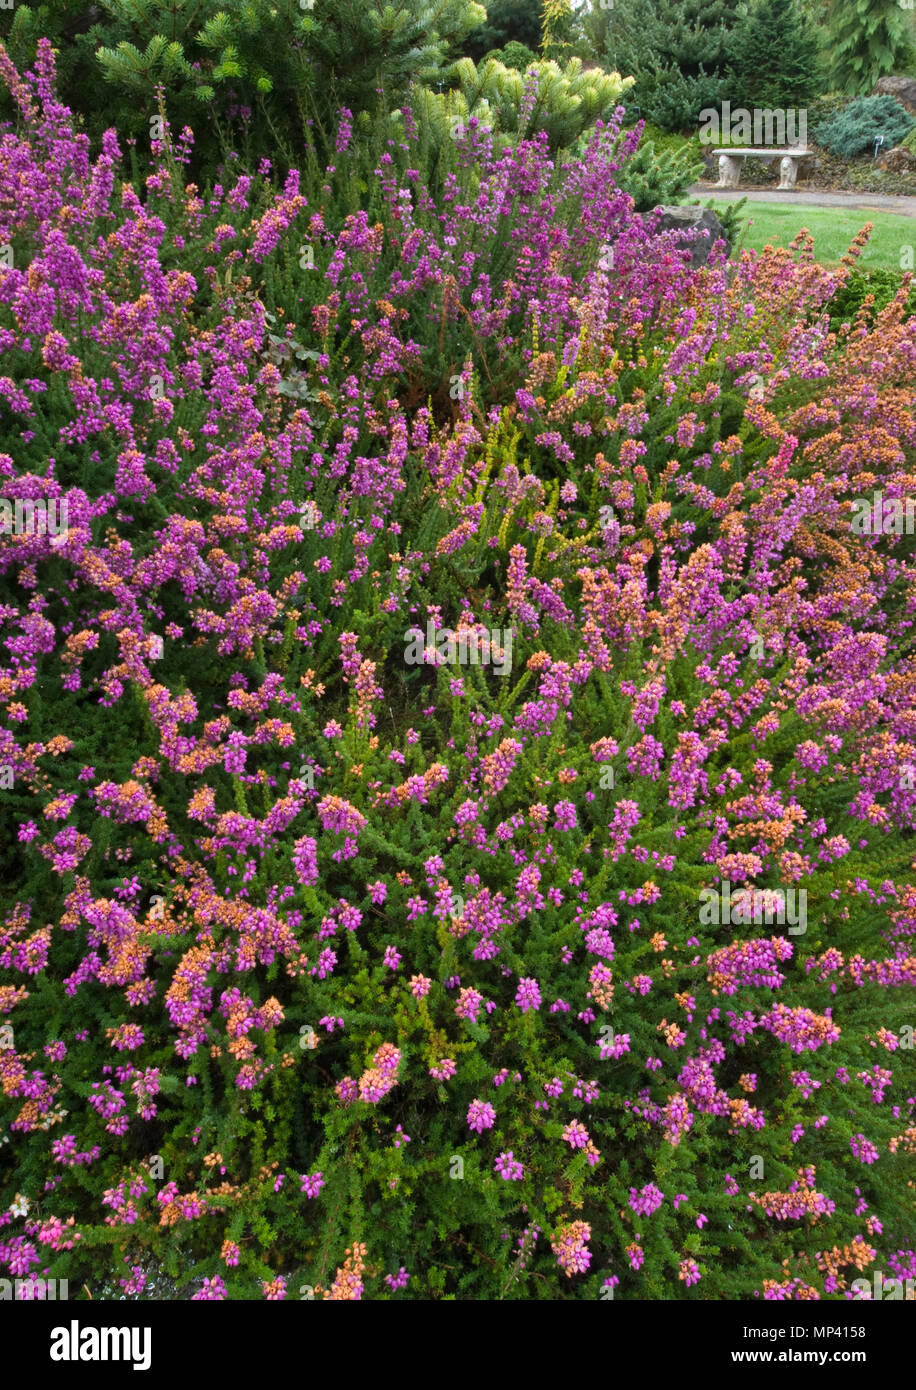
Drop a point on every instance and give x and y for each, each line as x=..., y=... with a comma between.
x=788, y=172
x=729, y=171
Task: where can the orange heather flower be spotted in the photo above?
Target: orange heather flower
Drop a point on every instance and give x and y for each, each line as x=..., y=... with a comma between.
x=348, y=1284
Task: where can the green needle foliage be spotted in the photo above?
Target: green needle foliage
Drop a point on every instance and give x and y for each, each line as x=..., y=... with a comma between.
x=775, y=57
x=245, y=74
x=854, y=130
x=678, y=51
x=569, y=101
x=507, y=21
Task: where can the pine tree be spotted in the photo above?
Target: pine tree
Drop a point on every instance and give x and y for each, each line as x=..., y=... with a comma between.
x=557, y=29
x=640, y=36
x=774, y=58
x=242, y=70
x=569, y=100
x=677, y=50
x=507, y=21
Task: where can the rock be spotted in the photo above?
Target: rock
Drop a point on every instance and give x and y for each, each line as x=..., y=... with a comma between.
x=903, y=88
x=691, y=219
x=899, y=160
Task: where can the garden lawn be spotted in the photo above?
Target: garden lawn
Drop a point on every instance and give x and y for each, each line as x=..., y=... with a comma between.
x=833, y=230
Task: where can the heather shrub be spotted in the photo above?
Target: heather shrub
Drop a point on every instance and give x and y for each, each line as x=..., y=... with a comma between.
x=337, y=963
x=877, y=286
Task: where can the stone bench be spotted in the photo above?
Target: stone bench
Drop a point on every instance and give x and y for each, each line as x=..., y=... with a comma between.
x=730, y=162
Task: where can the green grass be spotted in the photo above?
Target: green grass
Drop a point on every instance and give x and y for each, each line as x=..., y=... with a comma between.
x=833, y=229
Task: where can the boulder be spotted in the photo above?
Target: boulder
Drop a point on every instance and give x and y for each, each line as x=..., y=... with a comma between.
x=899, y=160
x=689, y=219
x=903, y=88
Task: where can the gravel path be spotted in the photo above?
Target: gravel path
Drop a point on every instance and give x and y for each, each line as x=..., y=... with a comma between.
x=865, y=202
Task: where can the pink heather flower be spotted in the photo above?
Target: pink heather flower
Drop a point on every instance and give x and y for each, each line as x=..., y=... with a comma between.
x=397, y=1281
x=586, y=1090
x=377, y=1080
x=689, y=1271
x=864, y=1151
x=647, y=1200
x=444, y=1069
x=311, y=1183
x=481, y=1115
x=570, y=1248
x=136, y=1283
x=305, y=860
x=576, y=1135
x=468, y=1006
x=340, y=817
x=508, y=1167
x=347, y=1090
x=387, y=1058
x=392, y=958
x=344, y=130
x=528, y=995
x=617, y=1048
x=419, y=986
x=211, y=1289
